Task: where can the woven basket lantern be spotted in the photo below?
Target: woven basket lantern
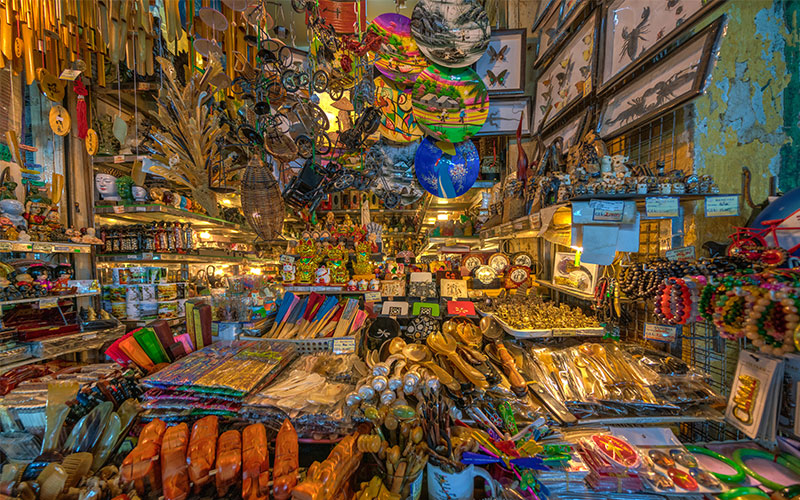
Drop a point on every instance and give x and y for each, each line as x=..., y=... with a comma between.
x=262, y=202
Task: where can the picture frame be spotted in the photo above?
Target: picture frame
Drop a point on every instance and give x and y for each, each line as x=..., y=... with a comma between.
x=570, y=132
x=504, y=114
x=393, y=288
x=581, y=278
x=543, y=13
x=569, y=77
x=671, y=82
x=502, y=67
x=454, y=289
x=547, y=34
x=570, y=10
x=622, y=19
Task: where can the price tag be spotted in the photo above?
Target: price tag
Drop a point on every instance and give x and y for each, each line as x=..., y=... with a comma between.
x=372, y=297
x=661, y=333
x=21, y=247
x=722, y=206
x=132, y=256
x=147, y=255
x=90, y=336
x=5, y=246
x=344, y=345
x=119, y=159
x=119, y=209
x=48, y=302
x=70, y=74
x=606, y=210
x=661, y=207
x=460, y=308
x=286, y=259
x=42, y=248
x=141, y=209
x=683, y=253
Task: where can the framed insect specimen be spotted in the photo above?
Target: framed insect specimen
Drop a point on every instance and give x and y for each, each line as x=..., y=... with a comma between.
x=502, y=67
x=547, y=33
x=569, y=77
x=570, y=10
x=668, y=84
x=569, y=132
x=504, y=116
x=636, y=31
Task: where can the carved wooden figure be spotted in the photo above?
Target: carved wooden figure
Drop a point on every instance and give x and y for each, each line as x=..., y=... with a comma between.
x=174, y=471
x=229, y=461
x=142, y=467
x=202, y=451
x=255, y=463
x=286, y=462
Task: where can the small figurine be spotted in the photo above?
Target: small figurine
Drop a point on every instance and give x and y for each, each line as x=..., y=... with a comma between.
x=288, y=273
x=125, y=189
x=352, y=286
x=13, y=210
x=374, y=285
x=323, y=276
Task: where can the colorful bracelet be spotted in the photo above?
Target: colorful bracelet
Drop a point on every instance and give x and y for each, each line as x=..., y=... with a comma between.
x=728, y=478
x=786, y=460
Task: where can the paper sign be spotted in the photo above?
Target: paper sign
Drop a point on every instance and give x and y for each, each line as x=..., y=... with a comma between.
x=372, y=297
x=70, y=74
x=5, y=246
x=460, y=308
x=344, y=345
x=683, y=253
x=536, y=220
x=606, y=210
x=661, y=207
x=42, y=247
x=147, y=256
x=21, y=247
x=286, y=259
x=119, y=159
x=48, y=302
x=119, y=209
x=661, y=333
x=722, y=206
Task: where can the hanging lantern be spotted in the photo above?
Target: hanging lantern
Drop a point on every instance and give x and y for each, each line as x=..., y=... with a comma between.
x=261, y=200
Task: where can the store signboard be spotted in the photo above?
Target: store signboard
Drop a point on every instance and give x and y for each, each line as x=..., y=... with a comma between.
x=661, y=207
x=661, y=333
x=607, y=210
x=722, y=206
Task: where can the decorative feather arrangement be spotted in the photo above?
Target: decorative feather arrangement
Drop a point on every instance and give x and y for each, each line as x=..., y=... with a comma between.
x=191, y=127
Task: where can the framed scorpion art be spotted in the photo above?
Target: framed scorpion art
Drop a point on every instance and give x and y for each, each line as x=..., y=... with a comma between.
x=635, y=31
x=671, y=82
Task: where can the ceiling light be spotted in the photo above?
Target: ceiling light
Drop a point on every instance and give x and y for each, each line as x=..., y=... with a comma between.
x=205, y=235
x=442, y=216
x=442, y=201
x=431, y=219
x=227, y=202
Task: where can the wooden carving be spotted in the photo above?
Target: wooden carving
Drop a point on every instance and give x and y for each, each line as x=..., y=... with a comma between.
x=287, y=461
x=142, y=467
x=202, y=449
x=191, y=129
x=174, y=472
x=327, y=480
x=229, y=461
x=255, y=463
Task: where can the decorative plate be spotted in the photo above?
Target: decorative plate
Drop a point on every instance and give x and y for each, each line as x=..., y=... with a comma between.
x=452, y=33
x=516, y=276
x=421, y=326
x=617, y=450
x=398, y=58
x=522, y=259
x=471, y=262
x=397, y=121
x=382, y=329
x=450, y=104
x=499, y=262
x=485, y=274
x=446, y=174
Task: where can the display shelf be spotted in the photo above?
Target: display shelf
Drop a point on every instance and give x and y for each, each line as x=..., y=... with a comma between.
x=86, y=340
x=187, y=258
x=643, y=197
x=44, y=247
x=47, y=298
x=327, y=290
x=650, y=420
x=138, y=214
x=145, y=322
x=518, y=228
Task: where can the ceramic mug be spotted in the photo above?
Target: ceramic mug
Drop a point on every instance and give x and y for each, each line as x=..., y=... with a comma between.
x=455, y=486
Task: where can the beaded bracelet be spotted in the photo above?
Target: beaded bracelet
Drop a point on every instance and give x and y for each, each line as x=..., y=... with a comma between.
x=728, y=313
x=772, y=319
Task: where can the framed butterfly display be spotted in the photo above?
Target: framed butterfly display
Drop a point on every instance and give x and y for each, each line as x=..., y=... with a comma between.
x=569, y=77
x=504, y=116
x=502, y=66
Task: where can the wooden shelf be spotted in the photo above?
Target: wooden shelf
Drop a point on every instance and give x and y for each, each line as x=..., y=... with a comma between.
x=47, y=298
x=44, y=247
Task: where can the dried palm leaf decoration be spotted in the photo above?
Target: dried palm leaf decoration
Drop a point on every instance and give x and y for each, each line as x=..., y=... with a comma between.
x=191, y=128
x=262, y=202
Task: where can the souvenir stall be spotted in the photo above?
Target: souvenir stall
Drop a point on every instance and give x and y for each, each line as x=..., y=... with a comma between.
x=393, y=250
